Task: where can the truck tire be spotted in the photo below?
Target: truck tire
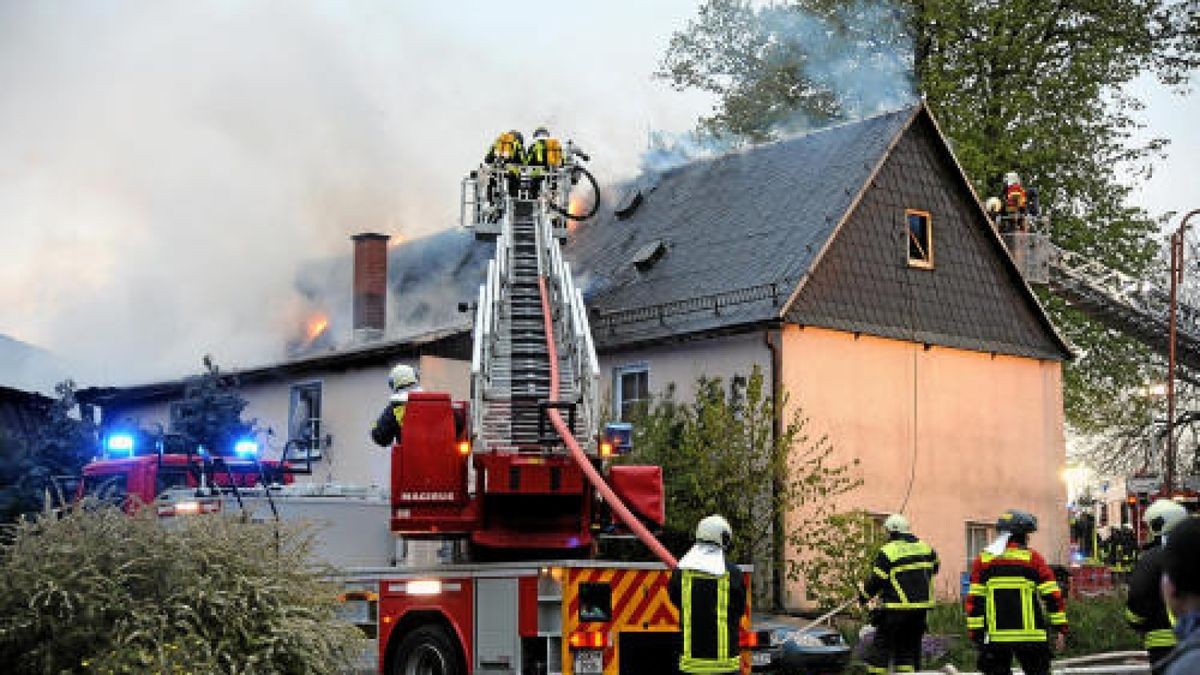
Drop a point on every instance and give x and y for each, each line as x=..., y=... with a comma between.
x=427, y=650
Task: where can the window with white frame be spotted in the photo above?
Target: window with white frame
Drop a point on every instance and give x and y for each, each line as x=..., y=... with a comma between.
x=979, y=535
x=631, y=390
x=304, y=420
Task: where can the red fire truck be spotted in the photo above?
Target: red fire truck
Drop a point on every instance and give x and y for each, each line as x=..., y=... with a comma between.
x=480, y=557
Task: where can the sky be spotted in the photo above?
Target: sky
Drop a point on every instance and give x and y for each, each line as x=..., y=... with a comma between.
x=167, y=167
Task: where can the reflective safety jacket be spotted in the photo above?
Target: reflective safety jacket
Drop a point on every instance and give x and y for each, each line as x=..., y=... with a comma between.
x=710, y=610
x=1003, y=600
x=1015, y=199
x=387, y=428
x=902, y=575
x=1144, y=609
x=507, y=150
x=546, y=152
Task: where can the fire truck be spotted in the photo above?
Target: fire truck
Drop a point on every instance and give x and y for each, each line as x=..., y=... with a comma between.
x=479, y=558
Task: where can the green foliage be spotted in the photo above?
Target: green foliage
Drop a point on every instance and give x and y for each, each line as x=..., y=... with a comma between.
x=95, y=590
x=1036, y=87
x=210, y=412
x=719, y=454
x=836, y=552
x=60, y=445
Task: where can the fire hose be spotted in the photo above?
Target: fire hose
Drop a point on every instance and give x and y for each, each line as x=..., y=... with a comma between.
x=597, y=481
x=575, y=171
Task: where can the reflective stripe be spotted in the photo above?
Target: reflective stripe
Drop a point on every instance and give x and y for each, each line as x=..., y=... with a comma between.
x=875, y=670
x=724, y=662
x=1133, y=618
x=905, y=669
x=974, y=622
x=879, y=573
x=1027, y=632
x=1017, y=635
x=398, y=413
x=977, y=589
x=1057, y=618
x=1049, y=587
x=1163, y=637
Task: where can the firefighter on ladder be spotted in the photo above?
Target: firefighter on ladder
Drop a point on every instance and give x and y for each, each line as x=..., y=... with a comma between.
x=1015, y=203
x=710, y=595
x=1144, y=608
x=546, y=154
x=507, y=154
x=902, y=577
x=402, y=380
x=1004, y=618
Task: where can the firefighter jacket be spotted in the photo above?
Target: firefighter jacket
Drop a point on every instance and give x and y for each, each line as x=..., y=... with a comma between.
x=902, y=575
x=1145, y=609
x=387, y=428
x=1003, y=603
x=545, y=152
x=710, y=611
x=1015, y=199
x=507, y=150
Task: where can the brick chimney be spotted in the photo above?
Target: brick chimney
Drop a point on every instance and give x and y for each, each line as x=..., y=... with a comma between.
x=370, y=285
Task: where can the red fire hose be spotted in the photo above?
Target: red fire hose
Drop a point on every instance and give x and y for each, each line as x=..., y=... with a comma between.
x=577, y=453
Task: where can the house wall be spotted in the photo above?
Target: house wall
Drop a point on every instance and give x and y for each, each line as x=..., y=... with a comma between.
x=976, y=433
x=351, y=401
x=682, y=363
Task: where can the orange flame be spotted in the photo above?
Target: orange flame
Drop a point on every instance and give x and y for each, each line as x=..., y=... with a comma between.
x=316, y=324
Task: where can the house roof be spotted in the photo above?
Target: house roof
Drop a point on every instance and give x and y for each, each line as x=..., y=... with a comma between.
x=452, y=342
x=742, y=234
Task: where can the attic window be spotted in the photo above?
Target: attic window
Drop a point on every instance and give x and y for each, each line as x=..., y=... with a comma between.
x=920, y=238
x=649, y=254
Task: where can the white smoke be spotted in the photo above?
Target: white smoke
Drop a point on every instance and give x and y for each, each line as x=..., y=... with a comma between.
x=168, y=168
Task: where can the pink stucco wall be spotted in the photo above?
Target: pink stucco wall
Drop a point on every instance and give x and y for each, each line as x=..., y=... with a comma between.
x=976, y=433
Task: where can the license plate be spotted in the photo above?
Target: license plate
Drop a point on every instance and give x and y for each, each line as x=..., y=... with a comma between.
x=760, y=658
x=589, y=662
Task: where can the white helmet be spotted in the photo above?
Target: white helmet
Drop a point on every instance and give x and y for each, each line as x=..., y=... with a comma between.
x=1163, y=515
x=897, y=524
x=1011, y=178
x=715, y=530
x=993, y=205
x=402, y=377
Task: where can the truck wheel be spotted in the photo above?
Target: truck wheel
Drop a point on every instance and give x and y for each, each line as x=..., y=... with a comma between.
x=428, y=650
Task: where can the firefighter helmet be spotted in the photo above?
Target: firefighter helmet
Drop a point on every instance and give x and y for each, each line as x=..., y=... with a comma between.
x=402, y=377
x=540, y=133
x=715, y=530
x=1011, y=178
x=993, y=205
x=1164, y=514
x=1016, y=522
x=519, y=136
x=897, y=524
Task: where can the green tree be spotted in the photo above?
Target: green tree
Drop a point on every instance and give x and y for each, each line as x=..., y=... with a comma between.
x=1027, y=85
x=95, y=590
x=210, y=412
x=835, y=555
x=59, y=446
x=721, y=454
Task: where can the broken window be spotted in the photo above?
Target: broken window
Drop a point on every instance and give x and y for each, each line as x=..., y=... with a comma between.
x=631, y=390
x=920, y=238
x=304, y=421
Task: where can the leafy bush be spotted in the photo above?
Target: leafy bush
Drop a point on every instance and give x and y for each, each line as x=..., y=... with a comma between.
x=95, y=590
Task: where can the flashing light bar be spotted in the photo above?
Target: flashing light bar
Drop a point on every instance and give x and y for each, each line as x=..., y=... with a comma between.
x=245, y=448
x=606, y=449
x=424, y=587
x=464, y=448
x=119, y=444
x=589, y=640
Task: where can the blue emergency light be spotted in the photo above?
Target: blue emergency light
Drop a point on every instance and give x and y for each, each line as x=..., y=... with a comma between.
x=245, y=448
x=119, y=444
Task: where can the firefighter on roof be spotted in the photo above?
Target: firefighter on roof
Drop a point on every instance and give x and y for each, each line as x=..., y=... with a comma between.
x=402, y=381
x=902, y=577
x=1004, y=617
x=710, y=594
x=1144, y=608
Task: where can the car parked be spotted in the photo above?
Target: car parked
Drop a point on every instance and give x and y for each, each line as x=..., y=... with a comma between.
x=798, y=648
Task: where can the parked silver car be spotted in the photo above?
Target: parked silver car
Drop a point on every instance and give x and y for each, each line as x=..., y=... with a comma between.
x=800, y=649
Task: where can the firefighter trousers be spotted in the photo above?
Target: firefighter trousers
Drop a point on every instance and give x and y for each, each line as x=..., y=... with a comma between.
x=996, y=658
x=897, y=641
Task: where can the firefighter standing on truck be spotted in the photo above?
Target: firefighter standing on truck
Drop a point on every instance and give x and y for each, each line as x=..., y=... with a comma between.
x=1144, y=608
x=402, y=381
x=902, y=577
x=1005, y=619
x=710, y=594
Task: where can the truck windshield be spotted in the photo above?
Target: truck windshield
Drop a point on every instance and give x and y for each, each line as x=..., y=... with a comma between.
x=111, y=489
x=171, y=480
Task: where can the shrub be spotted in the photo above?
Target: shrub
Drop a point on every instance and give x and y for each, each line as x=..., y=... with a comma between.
x=96, y=590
